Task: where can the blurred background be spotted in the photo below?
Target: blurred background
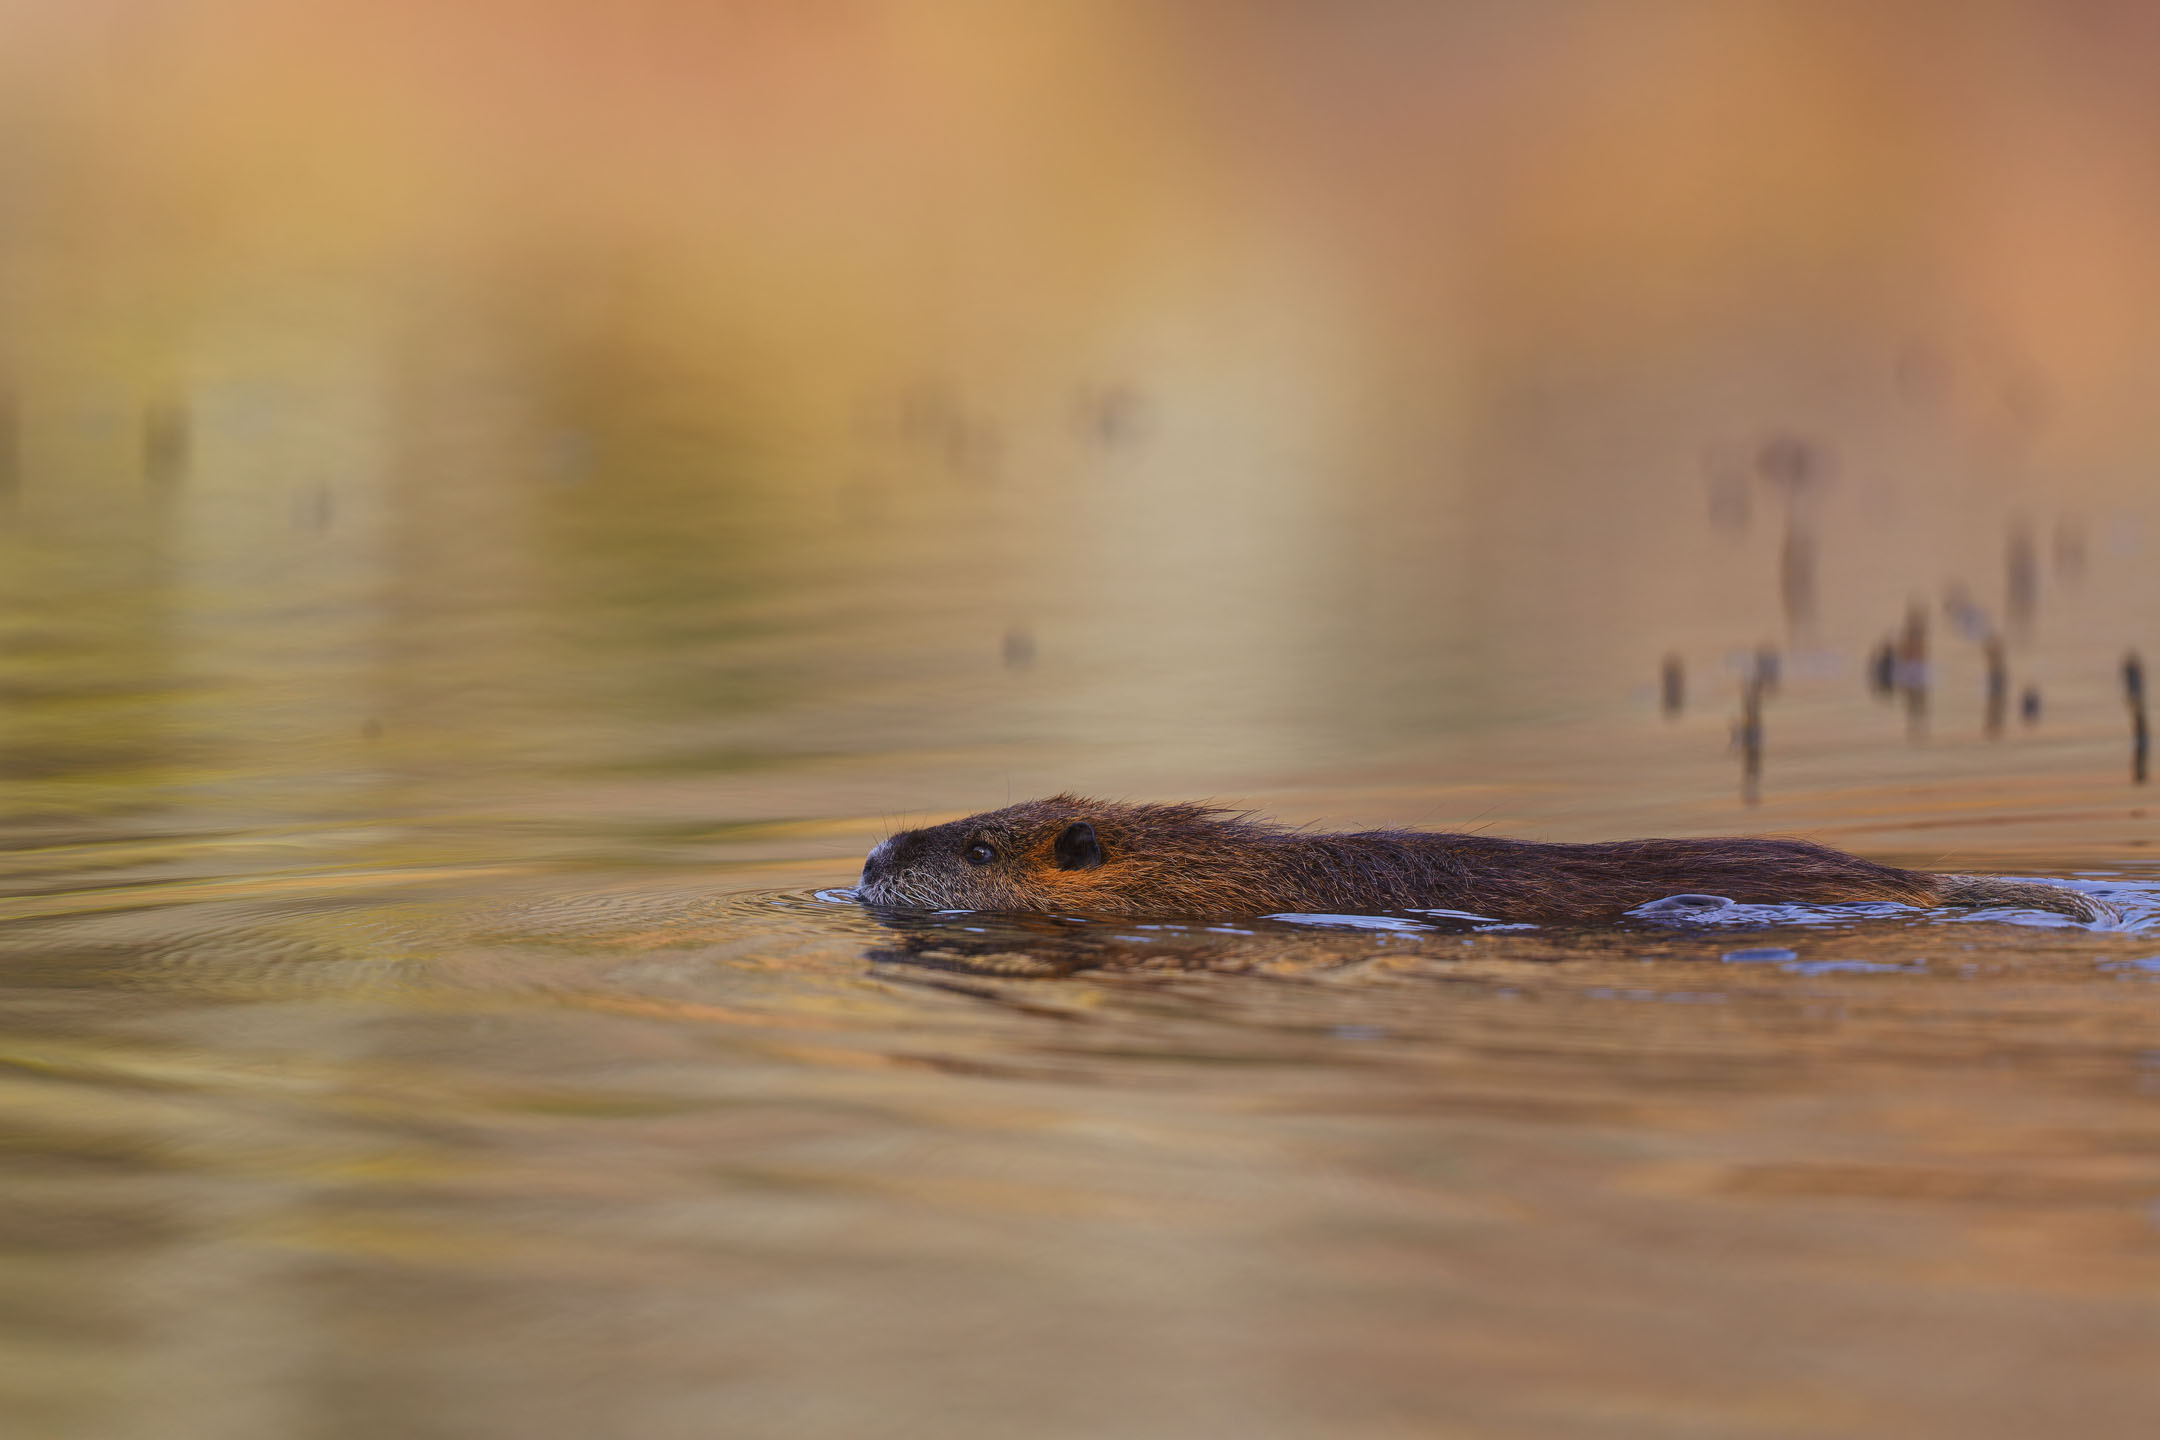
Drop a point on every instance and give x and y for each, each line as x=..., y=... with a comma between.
x=500, y=502
x=881, y=407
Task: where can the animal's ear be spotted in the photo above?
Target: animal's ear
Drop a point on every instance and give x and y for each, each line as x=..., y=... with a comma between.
x=1077, y=848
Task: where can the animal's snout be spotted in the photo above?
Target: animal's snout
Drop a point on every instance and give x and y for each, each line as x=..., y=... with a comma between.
x=891, y=857
x=879, y=862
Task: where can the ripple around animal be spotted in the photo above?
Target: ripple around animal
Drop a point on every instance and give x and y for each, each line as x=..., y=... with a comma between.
x=2137, y=904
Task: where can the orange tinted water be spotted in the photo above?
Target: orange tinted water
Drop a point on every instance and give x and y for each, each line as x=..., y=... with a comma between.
x=419, y=1018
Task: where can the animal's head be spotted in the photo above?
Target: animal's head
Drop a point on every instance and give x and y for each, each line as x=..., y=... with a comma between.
x=1065, y=853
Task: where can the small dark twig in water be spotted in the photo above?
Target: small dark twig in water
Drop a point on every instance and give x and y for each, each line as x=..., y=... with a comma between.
x=1672, y=686
x=1998, y=687
x=2021, y=574
x=1769, y=667
x=1912, y=669
x=1748, y=735
x=1882, y=671
x=1796, y=574
x=2133, y=678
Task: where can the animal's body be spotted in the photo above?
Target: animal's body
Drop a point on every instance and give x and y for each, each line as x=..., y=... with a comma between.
x=1073, y=855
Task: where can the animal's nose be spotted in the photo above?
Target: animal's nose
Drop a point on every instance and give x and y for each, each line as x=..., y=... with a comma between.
x=877, y=863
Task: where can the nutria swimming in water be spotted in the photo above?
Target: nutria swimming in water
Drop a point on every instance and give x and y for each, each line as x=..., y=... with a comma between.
x=1106, y=858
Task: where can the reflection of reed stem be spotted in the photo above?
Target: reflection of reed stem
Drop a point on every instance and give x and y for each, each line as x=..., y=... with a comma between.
x=1749, y=734
x=1672, y=686
x=1998, y=687
x=1912, y=671
x=2133, y=678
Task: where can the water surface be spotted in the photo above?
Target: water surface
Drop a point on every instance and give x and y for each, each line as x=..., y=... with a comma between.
x=478, y=571
x=442, y=1013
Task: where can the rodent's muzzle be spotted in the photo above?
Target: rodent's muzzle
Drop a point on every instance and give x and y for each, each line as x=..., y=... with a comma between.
x=878, y=863
x=881, y=866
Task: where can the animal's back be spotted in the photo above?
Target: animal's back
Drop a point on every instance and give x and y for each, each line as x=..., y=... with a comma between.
x=1525, y=880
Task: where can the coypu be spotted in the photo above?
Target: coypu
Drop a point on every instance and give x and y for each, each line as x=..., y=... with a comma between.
x=1106, y=858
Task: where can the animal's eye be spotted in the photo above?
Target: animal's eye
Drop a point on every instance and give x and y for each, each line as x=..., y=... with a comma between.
x=978, y=854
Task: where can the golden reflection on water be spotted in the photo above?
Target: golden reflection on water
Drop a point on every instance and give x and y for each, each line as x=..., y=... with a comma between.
x=497, y=509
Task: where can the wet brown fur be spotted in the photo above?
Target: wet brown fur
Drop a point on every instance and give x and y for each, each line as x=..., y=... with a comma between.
x=1201, y=861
